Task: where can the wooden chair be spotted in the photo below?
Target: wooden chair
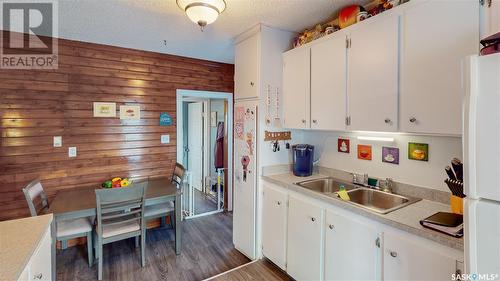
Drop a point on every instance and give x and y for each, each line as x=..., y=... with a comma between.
x=65, y=230
x=166, y=209
x=120, y=215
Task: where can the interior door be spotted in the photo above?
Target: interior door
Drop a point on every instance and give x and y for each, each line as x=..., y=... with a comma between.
x=328, y=84
x=195, y=143
x=373, y=74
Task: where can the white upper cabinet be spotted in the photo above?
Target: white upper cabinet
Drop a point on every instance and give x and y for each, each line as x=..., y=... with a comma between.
x=246, y=67
x=328, y=84
x=274, y=223
x=352, y=249
x=296, y=88
x=305, y=221
x=373, y=74
x=435, y=41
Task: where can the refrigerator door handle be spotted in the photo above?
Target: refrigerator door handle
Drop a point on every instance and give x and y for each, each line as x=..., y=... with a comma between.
x=469, y=124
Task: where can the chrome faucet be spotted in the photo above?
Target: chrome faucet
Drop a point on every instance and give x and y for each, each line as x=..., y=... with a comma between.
x=387, y=185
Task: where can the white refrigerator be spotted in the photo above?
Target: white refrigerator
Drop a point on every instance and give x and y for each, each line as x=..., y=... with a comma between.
x=481, y=146
x=245, y=177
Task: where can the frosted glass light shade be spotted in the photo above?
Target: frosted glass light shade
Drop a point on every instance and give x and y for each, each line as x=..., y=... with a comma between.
x=202, y=12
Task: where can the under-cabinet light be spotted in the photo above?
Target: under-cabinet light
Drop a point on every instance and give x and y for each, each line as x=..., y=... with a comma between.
x=381, y=139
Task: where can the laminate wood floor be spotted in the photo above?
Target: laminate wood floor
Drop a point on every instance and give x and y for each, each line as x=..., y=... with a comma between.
x=255, y=271
x=207, y=250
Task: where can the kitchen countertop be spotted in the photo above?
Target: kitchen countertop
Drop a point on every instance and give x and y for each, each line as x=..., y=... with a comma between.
x=18, y=242
x=406, y=219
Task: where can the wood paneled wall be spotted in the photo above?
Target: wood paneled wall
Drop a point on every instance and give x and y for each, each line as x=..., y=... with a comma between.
x=37, y=105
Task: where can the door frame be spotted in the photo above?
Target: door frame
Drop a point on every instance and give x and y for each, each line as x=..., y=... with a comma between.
x=185, y=93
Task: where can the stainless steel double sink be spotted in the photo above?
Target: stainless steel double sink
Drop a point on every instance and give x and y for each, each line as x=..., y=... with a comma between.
x=368, y=198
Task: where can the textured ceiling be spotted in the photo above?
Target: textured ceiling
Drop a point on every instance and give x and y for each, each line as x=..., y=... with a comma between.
x=147, y=24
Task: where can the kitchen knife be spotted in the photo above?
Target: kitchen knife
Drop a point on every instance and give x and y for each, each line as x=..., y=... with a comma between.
x=450, y=173
x=458, y=169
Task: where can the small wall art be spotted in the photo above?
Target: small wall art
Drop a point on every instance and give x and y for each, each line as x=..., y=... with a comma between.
x=390, y=155
x=364, y=152
x=104, y=109
x=166, y=119
x=343, y=145
x=418, y=151
x=130, y=112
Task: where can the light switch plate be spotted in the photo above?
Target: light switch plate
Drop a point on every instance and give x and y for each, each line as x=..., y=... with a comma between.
x=72, y=152
x=57, y=141
x=165, y=139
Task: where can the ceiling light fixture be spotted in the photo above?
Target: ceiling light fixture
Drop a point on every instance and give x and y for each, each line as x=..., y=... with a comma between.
x=202, y=12
x=382, y=139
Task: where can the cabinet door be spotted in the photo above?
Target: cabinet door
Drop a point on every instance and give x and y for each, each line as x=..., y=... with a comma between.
x=435, y=43
x=373, y=74
x=40, y=265
x=304, y=240
x=246, y=68
x=405, y=259
x=328, y=84
x=351, y=249
x=274, y=220
x=296, y=88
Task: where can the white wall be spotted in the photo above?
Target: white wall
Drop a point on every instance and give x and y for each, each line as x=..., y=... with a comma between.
x=429, y=174
x=273, y=43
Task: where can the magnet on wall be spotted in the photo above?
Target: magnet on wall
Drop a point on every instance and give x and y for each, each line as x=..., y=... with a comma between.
x=390, y=155
x=343, y=145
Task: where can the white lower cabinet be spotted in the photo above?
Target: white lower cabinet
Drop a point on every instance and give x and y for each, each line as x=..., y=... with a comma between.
x=304, y=245
x=274, y=222
x=352, y=249
x=40, y=265
x=408, y=259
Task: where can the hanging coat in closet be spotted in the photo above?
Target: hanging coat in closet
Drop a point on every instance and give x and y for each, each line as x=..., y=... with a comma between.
x=219, y=147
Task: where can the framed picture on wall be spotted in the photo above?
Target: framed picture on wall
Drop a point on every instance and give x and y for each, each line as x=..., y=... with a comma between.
x=130, y=112
x=104, y=109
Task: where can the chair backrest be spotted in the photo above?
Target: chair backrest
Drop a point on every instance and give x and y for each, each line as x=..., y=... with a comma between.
x=178, y=175
x=36, y=198
x=120, y=205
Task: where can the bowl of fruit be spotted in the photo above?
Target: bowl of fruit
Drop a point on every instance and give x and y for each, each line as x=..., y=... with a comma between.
x=116, y=183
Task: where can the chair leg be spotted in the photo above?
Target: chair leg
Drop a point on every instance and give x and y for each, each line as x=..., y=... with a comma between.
x=163, y=221
x=143, y=248
x=99, y=268
x=90, y=249
x=137, y=242
x=172, y=220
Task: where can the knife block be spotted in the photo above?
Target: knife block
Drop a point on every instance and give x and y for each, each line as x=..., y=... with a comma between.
x=457, y=204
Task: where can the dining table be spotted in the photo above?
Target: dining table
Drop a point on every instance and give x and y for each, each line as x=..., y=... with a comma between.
x=81, y=202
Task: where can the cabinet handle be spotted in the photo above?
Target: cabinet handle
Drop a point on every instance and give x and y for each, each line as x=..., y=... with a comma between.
x=304, y=121
x=393, y=254
x=413, y=120
x=387, y=121
x=377, y=242
x=251, y=84
x=279, y=203
x=315, y=121
x=313, y=219
x=38, y=276
x=331, y=226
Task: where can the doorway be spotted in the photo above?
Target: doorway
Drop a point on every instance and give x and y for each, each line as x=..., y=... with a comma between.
x=204, y=127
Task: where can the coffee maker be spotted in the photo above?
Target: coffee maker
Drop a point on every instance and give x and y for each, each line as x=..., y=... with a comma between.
x=303, y=158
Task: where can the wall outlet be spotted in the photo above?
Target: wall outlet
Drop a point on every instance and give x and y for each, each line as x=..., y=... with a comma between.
x=57, y=141
x=72, y=152
x=165, y=139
